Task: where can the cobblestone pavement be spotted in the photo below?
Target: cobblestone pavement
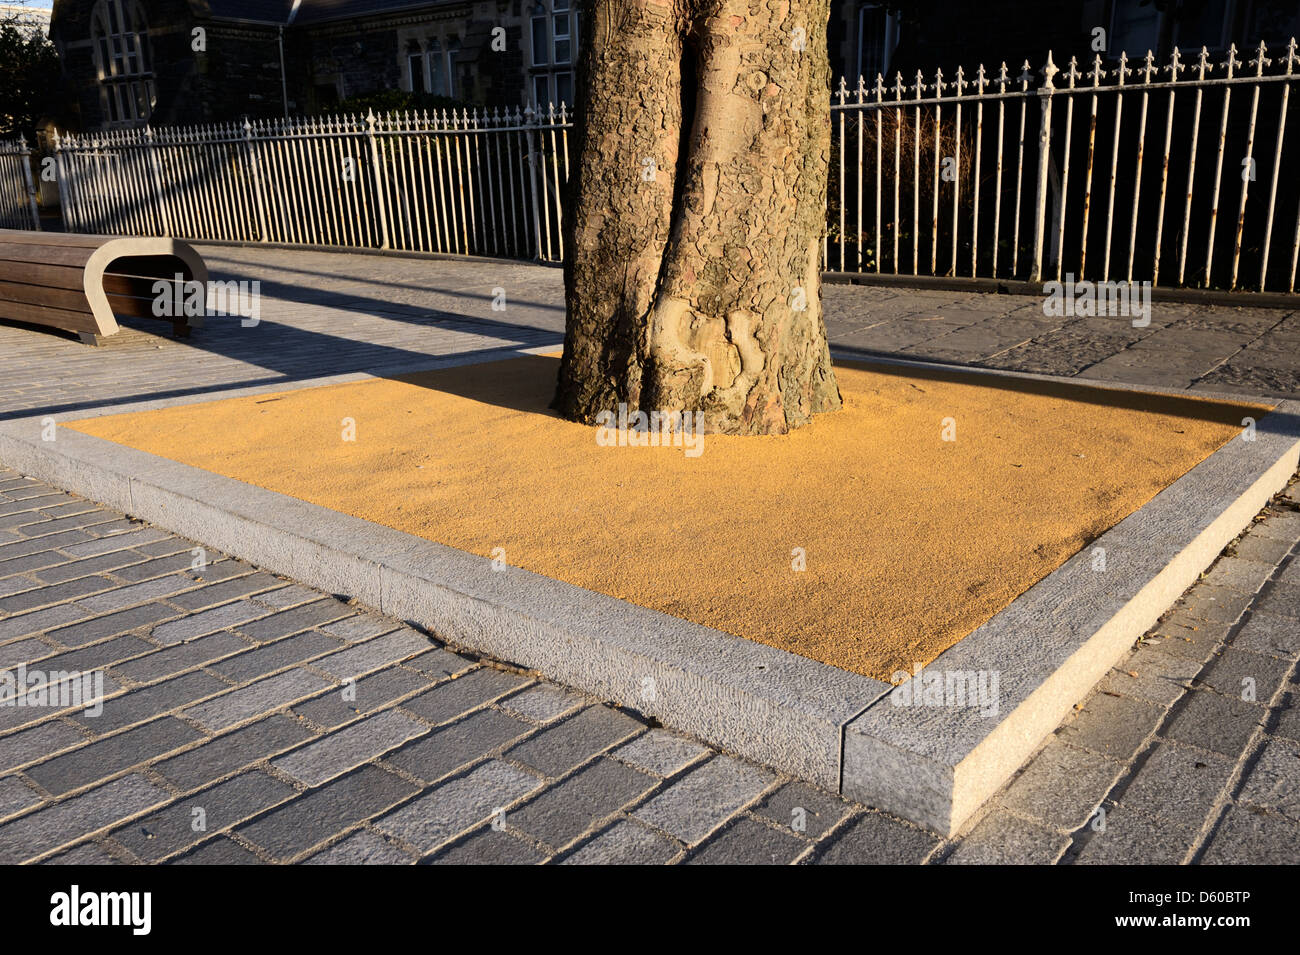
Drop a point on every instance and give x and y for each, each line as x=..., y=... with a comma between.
x=296, y=727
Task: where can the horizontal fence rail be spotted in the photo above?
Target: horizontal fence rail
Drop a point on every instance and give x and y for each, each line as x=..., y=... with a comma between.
x=462, y=182
x=17, y=189
x=1180, y=174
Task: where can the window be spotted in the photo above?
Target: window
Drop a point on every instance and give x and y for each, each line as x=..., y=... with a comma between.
x=1207, y=23
x=877, y=40
x=564, y=87
x=540, y=44
x=1134, y=29
x=554, y=34
x=429, y=68
x=120, y=37
x=415, y=71
x=560, y=31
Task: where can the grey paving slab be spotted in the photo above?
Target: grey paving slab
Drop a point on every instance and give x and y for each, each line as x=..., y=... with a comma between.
x=316, y=816
x=36, y=833
x=627, y=842
x=256, y=698
x=877, y=839
x=232, y=751
x=490, y=846
x=373, y=654
x=577, y=804
x=1273, y=782
x=348, y=748
x=1221, y=724
x=1252, y=836
x=1114, y=726
x=1005, y=839
x=459, y=744
x=1123, y=836
x=702, y=800
x=88, y=853
x=1062, y=785
x=208, y=621
x=1153, y=675
x=803, y=809
x=287, y=622
x=1282, y=600
x=661, y=752
x=110, y=625
x=15, y=796
x=220, y=851
x=366, y=695
x=748, y=841
x=453, y=698
x=276, y=656
x=38, y=742
x=186, y=822
x=363, y=847
x=544, y=702
x=557, y=749
x=1178, y=784
x=166, y=663
x=458, y=805
x=136, y=593
x=103, y=758
x=1252, y=677
x=1270, y=635
x=138, y=706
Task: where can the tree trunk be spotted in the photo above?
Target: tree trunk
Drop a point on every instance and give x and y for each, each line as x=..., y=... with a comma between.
x=693, y=281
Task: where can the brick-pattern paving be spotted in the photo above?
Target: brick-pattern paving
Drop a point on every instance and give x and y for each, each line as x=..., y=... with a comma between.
x=250, y=719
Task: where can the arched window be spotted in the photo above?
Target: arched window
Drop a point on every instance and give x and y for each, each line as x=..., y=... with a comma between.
x=121, y=40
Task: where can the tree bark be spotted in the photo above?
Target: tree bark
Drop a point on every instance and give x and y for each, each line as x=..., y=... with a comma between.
x=693, y=280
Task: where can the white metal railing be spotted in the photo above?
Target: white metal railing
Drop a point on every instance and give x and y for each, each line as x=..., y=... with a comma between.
x=973, y=199
x=465, y=182
x=17, y=191
x=1033, y=176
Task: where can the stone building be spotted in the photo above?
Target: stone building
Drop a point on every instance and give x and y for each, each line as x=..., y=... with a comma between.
x=890, y=36
x=199, y=61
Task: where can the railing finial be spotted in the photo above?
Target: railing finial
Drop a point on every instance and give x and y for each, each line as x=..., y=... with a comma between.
x=1050, y=70
x=1260, y=61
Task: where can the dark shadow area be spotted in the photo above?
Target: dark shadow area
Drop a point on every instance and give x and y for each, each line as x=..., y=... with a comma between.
x=525, y=383
x=1100, y=394
x=282, y=290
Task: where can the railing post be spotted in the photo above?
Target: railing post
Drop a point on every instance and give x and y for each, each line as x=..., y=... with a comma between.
x=25, y=157
x=65, y=192
x=255, y=178
x=164, y=215
x=1044, y=156
x=530, y=124
x=381, y=185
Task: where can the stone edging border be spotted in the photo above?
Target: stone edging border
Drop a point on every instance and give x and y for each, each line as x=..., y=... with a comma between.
x=932, y=765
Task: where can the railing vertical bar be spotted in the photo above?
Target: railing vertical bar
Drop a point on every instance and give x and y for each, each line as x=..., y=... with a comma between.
x=1277, y=162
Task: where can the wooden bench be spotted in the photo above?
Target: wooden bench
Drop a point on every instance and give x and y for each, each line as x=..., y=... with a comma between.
x=79, y=283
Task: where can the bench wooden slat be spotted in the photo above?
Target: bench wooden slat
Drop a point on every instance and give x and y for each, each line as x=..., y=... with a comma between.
x=13, y=252
x=66, y=319
x=77, y=282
